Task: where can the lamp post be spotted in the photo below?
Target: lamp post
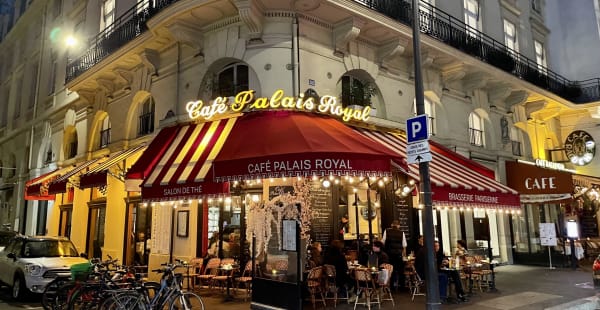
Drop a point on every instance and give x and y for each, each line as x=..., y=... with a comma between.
x=431, y=275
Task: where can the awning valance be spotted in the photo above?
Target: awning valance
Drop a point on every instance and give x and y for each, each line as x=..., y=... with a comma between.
x=59, y=185
x=37, y=188
x=288, y=144
x=96, y=176
x=456, y=180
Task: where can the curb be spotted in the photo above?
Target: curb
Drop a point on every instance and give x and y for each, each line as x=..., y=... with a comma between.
x=590, y=303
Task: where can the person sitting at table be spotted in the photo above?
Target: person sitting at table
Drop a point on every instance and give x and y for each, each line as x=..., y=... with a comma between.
x=335, y=256
x=382, y=257
x=444, y=274
x=461, y=251
x=315, y=255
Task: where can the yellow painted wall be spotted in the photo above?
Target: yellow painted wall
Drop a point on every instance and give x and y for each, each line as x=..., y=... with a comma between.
x=79, y=218
x=114, y=225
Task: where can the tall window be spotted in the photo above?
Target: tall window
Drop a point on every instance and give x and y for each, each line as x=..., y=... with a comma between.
x=476, y=131
x=540, y=55
x=57, y=8
x=472, y=15
x=1, y=168
x=429, y=111
x=514, y=139
x=108, y=15
x=4, y=108
x=49, y=155
x=105, y=132
x=232, y=80
x=53, y=71
x=536, y=5
x=40, y=228
x=19, y=91
x=510, y=36
x=356, y=91
x=33, y=82
x=146, y=118
x=142, y=6
x=72, y=145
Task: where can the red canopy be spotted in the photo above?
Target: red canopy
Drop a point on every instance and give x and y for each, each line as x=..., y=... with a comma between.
x=285, y=144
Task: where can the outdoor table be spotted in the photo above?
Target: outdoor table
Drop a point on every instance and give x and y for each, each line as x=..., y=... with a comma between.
x=229, y=270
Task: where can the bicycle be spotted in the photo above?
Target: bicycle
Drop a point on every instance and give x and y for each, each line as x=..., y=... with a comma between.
x=169, y=296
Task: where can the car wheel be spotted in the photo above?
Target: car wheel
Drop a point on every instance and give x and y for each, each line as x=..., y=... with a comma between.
x=18, y=288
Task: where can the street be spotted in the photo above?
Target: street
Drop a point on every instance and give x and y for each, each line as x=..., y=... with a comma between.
x=519, y=288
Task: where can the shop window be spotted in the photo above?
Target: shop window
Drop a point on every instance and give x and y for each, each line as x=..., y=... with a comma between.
x=146, y=118
x=140, y=223
x=429, y=111
x=96, y=220
x=66, y=213
x=231, y=80
x=105, y=132
x=476, y=131
x=42, y=215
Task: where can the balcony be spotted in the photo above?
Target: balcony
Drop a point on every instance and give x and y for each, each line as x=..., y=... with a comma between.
x=476, y=137
x=445, y=28
x=127, y=27
x=433, y=22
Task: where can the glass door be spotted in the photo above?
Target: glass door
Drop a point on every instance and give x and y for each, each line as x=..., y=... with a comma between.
x=95, y=241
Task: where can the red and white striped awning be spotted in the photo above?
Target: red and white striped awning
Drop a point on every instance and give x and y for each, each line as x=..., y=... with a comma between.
x=96, y=176
x=456, y=181
x=37, y=188
x=59, y=185
x=181, y=160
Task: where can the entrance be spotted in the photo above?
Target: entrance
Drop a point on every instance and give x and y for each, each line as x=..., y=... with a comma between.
x=95, y=240
x=138, y=233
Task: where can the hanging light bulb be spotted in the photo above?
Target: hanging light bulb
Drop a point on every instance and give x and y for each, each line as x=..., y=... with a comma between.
x=326, y=183
x=336, y=181
x=380, y=183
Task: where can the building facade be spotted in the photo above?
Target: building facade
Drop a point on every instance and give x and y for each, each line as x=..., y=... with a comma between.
x=490, y=99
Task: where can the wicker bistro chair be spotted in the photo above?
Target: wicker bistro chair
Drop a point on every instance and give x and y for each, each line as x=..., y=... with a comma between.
x=330, y=285
x=315, y=285
x=246, y=279
x=194, y=268
x=366, y=287
x=210, y=271
x=223, y=275
x=414, y=282
x=384, y=282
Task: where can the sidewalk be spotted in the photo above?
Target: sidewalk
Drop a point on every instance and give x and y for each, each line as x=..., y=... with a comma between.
x=519, y=288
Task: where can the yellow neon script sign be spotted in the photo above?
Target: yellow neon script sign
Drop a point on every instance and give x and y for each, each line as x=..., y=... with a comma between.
x=246, y=100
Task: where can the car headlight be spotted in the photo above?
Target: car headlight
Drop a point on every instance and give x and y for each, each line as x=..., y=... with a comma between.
x=34, y=269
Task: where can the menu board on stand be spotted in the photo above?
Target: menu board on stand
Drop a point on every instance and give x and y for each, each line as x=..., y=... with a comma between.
x=402, y=213
x=322, y=222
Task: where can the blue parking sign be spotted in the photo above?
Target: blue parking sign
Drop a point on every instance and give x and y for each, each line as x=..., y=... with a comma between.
x=416, y=128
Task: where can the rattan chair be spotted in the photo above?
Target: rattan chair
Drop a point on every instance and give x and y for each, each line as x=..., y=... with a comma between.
x=384, y=282
x=246, y=279
x=210, y=271
x=315, y=285
x=366, y=287
x=223, y=275
x=194, y=269
x=330, y=285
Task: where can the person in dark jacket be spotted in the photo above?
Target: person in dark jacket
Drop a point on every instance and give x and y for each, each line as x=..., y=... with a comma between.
x=392, y=238
x=443, y=275
x=334, y=255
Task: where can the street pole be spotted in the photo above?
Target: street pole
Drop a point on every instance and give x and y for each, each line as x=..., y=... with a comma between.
x=431, y=275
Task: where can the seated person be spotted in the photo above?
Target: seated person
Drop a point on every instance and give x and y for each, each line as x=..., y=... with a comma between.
x=443, y=275
x=335, y=256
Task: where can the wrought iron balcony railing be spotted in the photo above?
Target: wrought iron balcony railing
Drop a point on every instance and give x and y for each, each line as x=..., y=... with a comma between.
x=125, y=28
x=450, y=30
x=476, y=137
x=432, y=21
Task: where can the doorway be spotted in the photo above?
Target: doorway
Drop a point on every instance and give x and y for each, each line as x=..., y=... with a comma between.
x=95, y=240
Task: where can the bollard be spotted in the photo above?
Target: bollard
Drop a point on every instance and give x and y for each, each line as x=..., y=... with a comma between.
x=596, y=272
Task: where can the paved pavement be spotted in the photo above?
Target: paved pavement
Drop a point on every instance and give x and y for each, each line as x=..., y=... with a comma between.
x=519, y=288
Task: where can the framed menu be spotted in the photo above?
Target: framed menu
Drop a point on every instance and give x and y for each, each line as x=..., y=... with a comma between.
x=547, y=234
x=289, y=228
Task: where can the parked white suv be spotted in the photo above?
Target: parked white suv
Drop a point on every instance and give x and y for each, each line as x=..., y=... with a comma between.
x=30, y=263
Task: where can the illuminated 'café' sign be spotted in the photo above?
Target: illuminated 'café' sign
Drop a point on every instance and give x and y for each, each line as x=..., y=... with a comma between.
x=246, y=101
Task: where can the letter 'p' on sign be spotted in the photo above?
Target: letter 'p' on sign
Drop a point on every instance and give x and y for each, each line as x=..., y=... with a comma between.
x=416, y=128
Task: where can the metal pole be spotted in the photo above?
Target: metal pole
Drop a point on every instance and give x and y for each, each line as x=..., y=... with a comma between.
x=358, y=241
x=369, y=217
x=431, y=275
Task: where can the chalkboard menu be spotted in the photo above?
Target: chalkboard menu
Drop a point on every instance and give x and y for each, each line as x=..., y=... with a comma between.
x=589, y=225
x=322, y=223
x=402, y=212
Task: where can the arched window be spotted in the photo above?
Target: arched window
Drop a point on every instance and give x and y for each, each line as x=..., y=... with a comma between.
x=146, y=118
x=231, y=80
x=476, y=130
x=356, y=91
x=49, y=155
x=105, y=132
x=72, y=143
x=430, y=112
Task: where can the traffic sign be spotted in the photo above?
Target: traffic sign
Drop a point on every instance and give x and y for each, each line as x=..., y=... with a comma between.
x=418, y=152
x=416, y=128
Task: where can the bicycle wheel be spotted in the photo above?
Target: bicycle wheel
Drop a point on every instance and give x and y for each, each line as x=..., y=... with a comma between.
x=49, y=295
x=61, y=301
x=125, y=301
x=186, y=301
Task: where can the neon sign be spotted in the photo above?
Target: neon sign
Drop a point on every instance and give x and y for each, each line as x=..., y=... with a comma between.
x=245, y=101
